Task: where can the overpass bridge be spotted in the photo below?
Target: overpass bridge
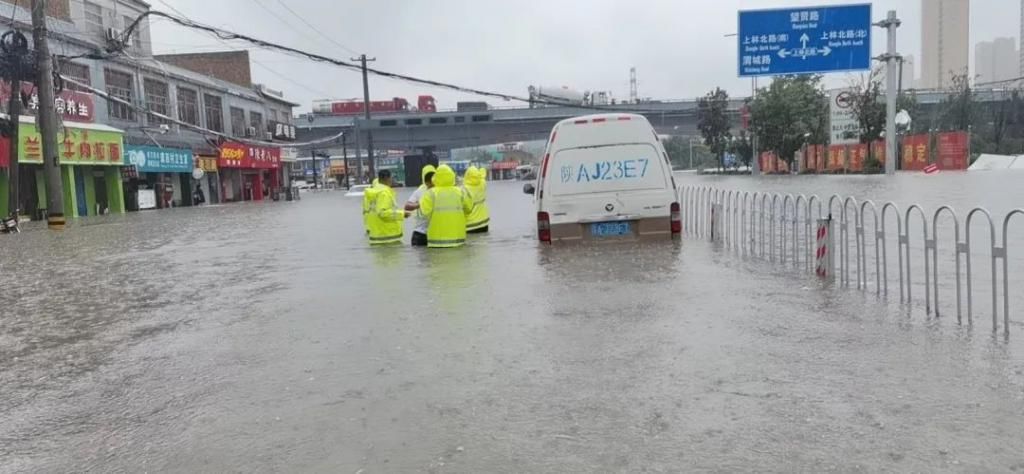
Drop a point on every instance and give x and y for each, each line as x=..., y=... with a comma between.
x=446, y=130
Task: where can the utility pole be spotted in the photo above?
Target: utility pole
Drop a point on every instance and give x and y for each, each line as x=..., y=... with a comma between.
x=366, y=112
x=344, y=156
x=315, y=184
x=891, y=57
x=48, y=118
x=14, y=112
x=755, y=159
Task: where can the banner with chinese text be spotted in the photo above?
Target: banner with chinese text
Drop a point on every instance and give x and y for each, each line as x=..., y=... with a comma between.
x=952, y=151
x=915, y=152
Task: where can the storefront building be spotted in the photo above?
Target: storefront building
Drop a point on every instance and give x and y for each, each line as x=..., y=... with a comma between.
x=90, y=157
x=248, y=172
x=209, y=182
x=161, y=177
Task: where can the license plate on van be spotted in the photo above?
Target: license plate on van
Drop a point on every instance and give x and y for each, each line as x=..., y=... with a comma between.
x=610, y=229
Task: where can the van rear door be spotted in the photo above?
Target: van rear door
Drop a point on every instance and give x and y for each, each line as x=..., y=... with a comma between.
x=625, y=182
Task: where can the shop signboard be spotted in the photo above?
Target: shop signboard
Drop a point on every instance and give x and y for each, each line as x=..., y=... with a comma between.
x=281, y=131
x=239, y=155
x=151, y=159
x=76, y=146
x=207, y=163
x=72, y=106
x=952, y=150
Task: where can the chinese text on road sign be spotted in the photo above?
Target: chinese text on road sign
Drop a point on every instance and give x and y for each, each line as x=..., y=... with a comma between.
x=804, y=40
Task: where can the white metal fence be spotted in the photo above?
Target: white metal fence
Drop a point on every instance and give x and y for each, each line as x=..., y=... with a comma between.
x=783, y=229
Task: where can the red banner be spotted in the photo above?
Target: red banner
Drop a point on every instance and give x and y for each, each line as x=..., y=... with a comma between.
x=238, y=155
x=836, y=157
x=915, y=152
x=72, y=106
x=5, y=152
x=858, y=156
x=952, y=148
x=878, y=148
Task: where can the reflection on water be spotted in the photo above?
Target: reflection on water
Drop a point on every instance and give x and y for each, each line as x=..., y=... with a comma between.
x=270, y=337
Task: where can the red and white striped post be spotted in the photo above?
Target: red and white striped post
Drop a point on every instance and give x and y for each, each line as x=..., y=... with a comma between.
x=824, y=266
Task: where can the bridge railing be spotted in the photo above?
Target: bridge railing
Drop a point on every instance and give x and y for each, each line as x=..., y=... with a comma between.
x=780, y=228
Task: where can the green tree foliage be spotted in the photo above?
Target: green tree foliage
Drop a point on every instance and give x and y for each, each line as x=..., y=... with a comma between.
x=792, y=111
x=713, y=122
x=742, y=147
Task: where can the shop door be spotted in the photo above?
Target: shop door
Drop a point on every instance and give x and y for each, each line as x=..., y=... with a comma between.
x=100, y=186
x=83, y=207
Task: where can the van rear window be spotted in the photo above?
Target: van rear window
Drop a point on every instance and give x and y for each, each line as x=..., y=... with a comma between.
x=610, y=168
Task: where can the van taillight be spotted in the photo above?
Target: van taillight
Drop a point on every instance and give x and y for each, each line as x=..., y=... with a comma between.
x=677, y=219
x=543, y=227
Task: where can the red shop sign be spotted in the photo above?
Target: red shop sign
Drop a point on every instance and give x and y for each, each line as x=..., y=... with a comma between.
x=72, y=106
x=238, y=155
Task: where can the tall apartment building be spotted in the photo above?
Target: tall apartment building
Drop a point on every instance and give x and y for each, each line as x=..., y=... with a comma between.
x=945, y=38
x=996, y=60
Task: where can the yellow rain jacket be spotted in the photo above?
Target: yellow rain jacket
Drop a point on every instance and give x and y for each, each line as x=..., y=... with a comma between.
x=384, y=220
x=368, y=203
x=476, y=184
x=423, y=175
x=446, y=207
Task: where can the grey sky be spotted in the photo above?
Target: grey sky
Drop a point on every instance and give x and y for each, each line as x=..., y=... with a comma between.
x=677, y=46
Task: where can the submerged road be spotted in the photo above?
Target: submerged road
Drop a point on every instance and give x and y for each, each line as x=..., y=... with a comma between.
x=270, y=338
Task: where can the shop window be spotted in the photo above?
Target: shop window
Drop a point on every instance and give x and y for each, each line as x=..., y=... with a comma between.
x=77, y=72
x=214, y=112
x=94, y=18
x=188, y=106
x=120, y=85
x=157, y=100
x=237, y=122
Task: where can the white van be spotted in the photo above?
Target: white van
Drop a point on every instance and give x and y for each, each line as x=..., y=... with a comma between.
x=605, y=177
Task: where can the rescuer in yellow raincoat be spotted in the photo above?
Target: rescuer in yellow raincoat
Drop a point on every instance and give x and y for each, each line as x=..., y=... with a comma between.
x=368, y=196
x=445, y=206
x=384, y=220
x=475, y=183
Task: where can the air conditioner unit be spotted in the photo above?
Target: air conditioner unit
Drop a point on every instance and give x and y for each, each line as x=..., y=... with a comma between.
x=250, y=132
x=114, y=34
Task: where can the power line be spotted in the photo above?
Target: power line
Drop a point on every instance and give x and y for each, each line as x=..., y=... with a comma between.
x=310, y=25
x=147, y=110
x=228, y=35
x=305, y=34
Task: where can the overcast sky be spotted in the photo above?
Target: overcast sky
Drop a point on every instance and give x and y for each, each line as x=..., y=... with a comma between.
x=677, y=46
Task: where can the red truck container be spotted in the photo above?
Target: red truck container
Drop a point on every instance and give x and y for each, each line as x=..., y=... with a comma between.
x=355, y=106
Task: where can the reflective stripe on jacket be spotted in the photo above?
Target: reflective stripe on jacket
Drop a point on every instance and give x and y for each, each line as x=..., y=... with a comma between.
x=446, y=206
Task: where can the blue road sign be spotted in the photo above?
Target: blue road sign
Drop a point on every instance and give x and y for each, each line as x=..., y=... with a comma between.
x=804, y=40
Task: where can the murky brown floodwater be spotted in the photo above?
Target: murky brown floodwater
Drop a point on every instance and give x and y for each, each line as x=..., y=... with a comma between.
x=269, y=338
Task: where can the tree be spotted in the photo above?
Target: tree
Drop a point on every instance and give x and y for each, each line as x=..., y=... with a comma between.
x=868, y=107
x=958, y=110
x=713, y=122
x=742, y=147
x=790, y=112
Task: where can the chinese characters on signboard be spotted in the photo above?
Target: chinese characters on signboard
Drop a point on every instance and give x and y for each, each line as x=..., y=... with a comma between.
x=238, y=155
x=282, y=131
x=76, y=146
x=151, y=159
x=71, y=105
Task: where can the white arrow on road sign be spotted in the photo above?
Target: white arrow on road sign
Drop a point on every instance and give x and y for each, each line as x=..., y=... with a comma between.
x=804, y=39
x=826, y=51
x=784, y=53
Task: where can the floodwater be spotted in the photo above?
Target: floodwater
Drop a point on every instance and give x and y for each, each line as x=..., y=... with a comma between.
x=270, y=338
